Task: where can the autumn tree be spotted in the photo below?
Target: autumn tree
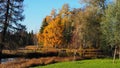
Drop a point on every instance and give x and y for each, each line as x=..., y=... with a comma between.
x=65, y=9
x=86, y=32
x=40, y=39
x=53, y=13
x=53, y=33
x=79, y=28
x=93, y=13
x=66, y=20
x=93, y=26
x=45, y=23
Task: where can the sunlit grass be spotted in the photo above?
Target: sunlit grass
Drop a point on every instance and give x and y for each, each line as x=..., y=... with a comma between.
x=94, y=63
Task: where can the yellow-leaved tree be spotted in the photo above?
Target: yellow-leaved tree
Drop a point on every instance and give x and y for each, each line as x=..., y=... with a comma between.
x=40, y=38
x=53, y=33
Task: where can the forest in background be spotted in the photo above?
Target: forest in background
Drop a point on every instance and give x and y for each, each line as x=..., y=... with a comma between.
x=96, y=25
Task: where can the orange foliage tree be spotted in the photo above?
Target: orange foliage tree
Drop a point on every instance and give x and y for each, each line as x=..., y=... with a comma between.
x=40, y=38
x=53, y=33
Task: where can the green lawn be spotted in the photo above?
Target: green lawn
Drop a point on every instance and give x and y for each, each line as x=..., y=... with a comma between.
x=94, y=63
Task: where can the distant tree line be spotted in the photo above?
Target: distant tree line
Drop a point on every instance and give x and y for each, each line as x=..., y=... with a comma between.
x=18, y=39
x=95, y=25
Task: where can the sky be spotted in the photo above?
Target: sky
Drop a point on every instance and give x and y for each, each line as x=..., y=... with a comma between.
x=36, y=10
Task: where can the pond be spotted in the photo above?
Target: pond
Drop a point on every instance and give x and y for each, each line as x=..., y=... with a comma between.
x=4, y=60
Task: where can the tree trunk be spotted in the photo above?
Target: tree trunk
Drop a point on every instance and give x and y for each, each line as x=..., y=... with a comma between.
x=114, y=54
x=75, y=54
x=119, y=52
x=1, y=47
x=0, y=56
x=5, y=25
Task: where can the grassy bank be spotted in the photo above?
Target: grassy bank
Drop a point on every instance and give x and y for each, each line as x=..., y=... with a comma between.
x=95, y=63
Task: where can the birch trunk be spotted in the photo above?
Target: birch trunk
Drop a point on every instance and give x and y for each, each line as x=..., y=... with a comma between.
x=119, y=52
x=114, y=55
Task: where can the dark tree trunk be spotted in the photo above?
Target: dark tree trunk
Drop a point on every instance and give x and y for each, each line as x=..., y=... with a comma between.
x=2, y=44
x=1, y=47
x=0, y=56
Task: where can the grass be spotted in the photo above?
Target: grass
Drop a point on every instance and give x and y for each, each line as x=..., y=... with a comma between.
x=94, y=63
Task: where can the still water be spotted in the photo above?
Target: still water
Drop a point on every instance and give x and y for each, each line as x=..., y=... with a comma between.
x=7, y=60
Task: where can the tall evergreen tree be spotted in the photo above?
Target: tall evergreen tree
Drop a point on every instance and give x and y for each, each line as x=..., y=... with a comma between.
x=10, y=14
x=45, y=22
